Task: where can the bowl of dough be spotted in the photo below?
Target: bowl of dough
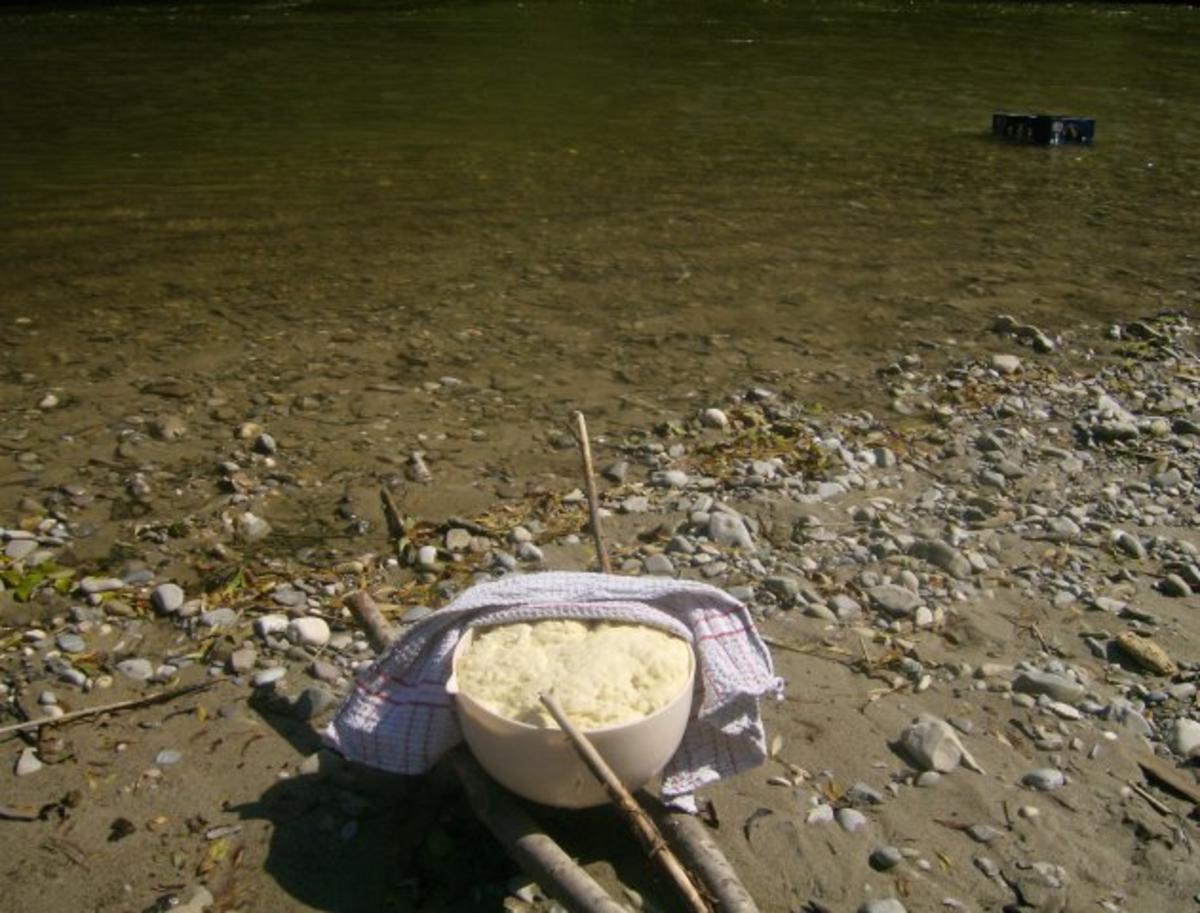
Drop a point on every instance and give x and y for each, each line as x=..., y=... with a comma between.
x=627, y=687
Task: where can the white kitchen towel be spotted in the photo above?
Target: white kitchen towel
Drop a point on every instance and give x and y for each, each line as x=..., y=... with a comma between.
x=399, y=716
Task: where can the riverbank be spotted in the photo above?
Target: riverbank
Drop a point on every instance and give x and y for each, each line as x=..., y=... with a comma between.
x=994, y=544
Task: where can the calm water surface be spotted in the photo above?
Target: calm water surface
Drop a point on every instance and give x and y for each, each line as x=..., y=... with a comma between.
x=626, y=199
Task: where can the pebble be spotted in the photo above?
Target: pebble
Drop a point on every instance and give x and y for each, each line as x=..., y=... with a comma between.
x=219, y=618
x=167, y=757
x=942, y=555
x=457, y=539
x=427, y=557
x=928, y=778
x=714, y=418
x=70, y=643
x=1044, y=779
x=669, y=478
x=311, y=703
x=309, y=631
x=265, y=677
x=28, y=763
x=1128, y=543
x=1175, y=586
x=1184, y=738
x=820, y=814
x=883, y=905
x=252, y=528
x=1006, y=364
x=167, y=598
x=658, y=564
x=136, y=669
x=18, y=549
x=270, y=625
x=242, y=660
x=729, y=531
x=883, y=858
x=196, y=899
x=895, y=600
x=1058, y=687
x=851, y=819
x=983, y=833
x=93, y=586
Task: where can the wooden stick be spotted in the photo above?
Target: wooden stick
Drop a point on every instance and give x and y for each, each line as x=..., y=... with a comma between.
x=392, y=515
x=370, y=619
x=535, y=852
x=130, y=704
x=643, y=826
x=700, y=851
x=589, y=475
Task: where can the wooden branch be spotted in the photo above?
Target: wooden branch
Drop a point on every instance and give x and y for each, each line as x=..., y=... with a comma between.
x=589, y=475
x=392, y=515
x=159, y=698
x=541, y=858
x=643, y=826
x=701, y=852
x=370, y=619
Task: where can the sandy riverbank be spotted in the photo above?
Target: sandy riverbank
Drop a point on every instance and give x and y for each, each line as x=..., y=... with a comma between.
x=970, y=550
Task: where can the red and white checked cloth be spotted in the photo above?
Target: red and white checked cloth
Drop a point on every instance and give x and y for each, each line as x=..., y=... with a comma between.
x=400, y=718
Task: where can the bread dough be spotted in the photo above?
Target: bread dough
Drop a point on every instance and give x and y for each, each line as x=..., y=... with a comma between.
x=602, y=673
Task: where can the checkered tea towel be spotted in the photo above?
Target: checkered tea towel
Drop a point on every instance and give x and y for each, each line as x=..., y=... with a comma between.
x=400, y=718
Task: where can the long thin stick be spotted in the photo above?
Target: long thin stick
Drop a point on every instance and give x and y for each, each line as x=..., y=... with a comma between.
x=589, y=475
x=130, y=704
x=698, y=849
x=370, y=619
x=641, y=823
x=541, y=858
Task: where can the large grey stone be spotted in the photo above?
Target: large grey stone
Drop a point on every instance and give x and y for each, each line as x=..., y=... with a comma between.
x=1058, y=687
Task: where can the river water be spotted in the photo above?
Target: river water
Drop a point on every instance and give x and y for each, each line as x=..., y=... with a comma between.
x=630, y=207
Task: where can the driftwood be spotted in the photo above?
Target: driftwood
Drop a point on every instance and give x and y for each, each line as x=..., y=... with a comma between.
x=159, y=698
x=641, y=823
x=589, y=475
x=698, y=849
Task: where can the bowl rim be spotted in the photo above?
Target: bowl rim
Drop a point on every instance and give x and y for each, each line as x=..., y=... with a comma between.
x=464, y=640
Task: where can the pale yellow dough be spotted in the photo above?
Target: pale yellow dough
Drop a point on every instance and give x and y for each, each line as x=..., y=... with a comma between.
x=601, y=673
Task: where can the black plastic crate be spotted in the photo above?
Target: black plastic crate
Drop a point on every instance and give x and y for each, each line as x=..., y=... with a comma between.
x=1044, y=129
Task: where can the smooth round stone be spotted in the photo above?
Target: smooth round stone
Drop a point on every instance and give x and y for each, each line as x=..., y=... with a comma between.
x=20, y=548
x=530, y=552
x=457, y=539
x=1184, y=739
x=139, y=670
x=270, y=625
x=167, y=598
x=218, y=618
x=47, y=698
x=883, y=905
x=714, y=418
x=167, y=757
x=73, y=676
x=70, y=643
x=851, y=819
x=885, y=857
x=427, y=557
x=242, y=661
x=928, y=778
x=309, y=631
x=659, y=564
x=820, y=814
x=1044, y=779
x=269, y=676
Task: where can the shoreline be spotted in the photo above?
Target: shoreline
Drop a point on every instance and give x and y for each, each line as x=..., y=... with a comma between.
x=975, y=553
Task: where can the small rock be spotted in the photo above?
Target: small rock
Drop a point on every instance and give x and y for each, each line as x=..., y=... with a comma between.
x=167, y=757
x=932, y=744
x=270, y=625
x=242, y=660
x=309, y=631
x=266, y=677
x=851, y=819
x=819, y=814
x=265, y=444
x=138, y=670
x=658, y=564
x=28, y=763
x=70, y=643
x=729, y=531
x=714, y=418
x=427, y=557
x=167, y=598
x=1044, y=779
x=883, y=905
x=252, y=528
x=928, y=778
x=1057, y=687
x=311, y=703
x=616, y=472
x=942, y=555
x=883, y=858
x=195, y=900
x=983, y=833
x=1175, y=586
x=1130, y=544
x=457, y=540
x=895, y=600
x=669, y=478
x=1184, y=738
x=1006, y=364
x=862, y=794
x=92, y=586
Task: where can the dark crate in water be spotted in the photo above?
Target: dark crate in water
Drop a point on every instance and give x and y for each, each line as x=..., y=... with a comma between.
x=1044, y=129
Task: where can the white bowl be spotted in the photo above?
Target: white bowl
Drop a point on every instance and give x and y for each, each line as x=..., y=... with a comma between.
x=541, y=764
